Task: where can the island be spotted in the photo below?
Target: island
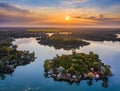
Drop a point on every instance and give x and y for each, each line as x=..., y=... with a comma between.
x=10, y=57
x=76, y=66
x=65, y=41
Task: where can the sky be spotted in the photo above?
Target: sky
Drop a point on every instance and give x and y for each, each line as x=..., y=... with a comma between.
x=73, y=13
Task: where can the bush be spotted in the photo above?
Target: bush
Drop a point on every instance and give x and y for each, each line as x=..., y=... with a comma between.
x=90, y=75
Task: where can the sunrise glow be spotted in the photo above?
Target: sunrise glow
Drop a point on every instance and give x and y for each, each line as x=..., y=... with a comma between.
x=67, y=18
x=60, y=13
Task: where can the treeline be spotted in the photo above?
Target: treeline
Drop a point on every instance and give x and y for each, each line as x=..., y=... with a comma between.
x=97, y=35
x=93, y=34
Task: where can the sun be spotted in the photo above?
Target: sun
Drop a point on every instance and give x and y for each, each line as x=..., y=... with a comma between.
x=67, y=18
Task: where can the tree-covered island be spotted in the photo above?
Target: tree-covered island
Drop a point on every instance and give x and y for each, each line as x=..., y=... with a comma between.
x=76, y=66
x=64, y=41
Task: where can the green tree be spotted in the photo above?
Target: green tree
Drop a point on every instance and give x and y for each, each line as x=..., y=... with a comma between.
x=90, y=75
x=72, y=70
x=47, y=65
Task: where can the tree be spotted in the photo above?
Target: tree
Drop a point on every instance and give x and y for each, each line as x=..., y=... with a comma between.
x=96, y=66
x=14, y=47
x=46, y=65
x=72, y=70
x=107, y=70
x=5, y=51
x=90, y=75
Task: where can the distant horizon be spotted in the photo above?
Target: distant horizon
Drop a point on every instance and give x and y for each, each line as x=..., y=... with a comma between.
x=59, y=27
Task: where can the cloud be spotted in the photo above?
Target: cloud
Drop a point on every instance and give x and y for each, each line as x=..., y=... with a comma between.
x=77, y=17
x=10, y=13
x=69, y=3
x=100, y=19
x=75, y=0
x=12, y=7
x=46, y=15
x=79, y=0
x=14, y=14
x=13, y=19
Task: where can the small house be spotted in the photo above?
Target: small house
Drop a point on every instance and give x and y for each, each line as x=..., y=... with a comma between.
x=74, y=76
x=60, y=69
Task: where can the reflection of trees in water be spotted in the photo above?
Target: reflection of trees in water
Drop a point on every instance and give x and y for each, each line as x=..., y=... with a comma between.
x=65, y=47
x=3, y=75
x=89, y=82
x=104, y=84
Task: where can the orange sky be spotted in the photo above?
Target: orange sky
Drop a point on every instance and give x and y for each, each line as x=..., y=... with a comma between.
x=15, y=14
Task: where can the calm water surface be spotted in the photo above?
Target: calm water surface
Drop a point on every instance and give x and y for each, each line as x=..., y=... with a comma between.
x=31, y=77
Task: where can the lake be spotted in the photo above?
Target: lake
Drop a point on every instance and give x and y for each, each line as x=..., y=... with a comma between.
x=31, y=77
